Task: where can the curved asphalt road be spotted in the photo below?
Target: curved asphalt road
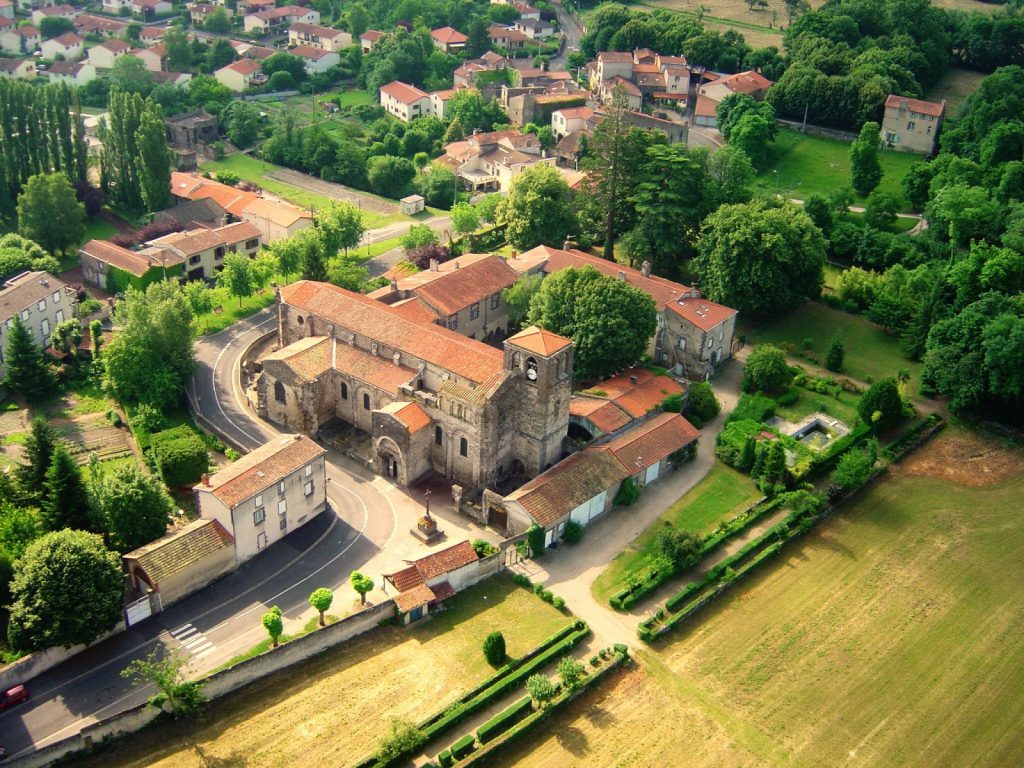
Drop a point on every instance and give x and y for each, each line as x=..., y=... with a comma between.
x=222, y=620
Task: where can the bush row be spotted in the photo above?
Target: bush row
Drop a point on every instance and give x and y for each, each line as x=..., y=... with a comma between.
x=504, y=720
x=826, y=460
x=913, y=437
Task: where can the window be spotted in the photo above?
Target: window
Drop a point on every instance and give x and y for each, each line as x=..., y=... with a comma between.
x=284, y=523
x=453, y=322
x=910, y=125
x=891, y=137
x=280, y=488
x=219, y=253
x=682, y=344
x=259, y=516
x=60, y=316
x=279, y=393
x=463, y=447
x=474, y=311
x=495, y=300
x=438, y=436
x=42, y=305
x=218, y=256
x=307, y=489
x=344, y=391
x=282, y=507
x=366, y=402
x=195, y=259
x=711, y=343
x=929, y=130
x=45, y=327
x=55, y=297
x=25, y=313
x=250, y=244
x=309, y=470
x=259, y=500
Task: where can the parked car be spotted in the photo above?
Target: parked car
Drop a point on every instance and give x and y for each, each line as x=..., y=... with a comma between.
x=12, y=696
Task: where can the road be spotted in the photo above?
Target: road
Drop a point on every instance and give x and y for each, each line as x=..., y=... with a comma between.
x=221, y=621
x=572, y=32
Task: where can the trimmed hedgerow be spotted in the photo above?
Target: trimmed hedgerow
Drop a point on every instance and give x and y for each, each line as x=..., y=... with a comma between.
x=463, y=746
x=504, y=720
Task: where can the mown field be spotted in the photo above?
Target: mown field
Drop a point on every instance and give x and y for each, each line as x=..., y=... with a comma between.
x=890, y=637
x=956, y=85
x=330, y=711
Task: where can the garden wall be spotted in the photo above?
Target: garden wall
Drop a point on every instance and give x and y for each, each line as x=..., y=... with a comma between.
x=33, y=665
x=817, y=130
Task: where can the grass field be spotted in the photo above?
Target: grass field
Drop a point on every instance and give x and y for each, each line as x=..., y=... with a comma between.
x=870, y=352
x=956, y=85
x=232, y=310
x=721, y=495
x=759, y=27
x=98, y=229
x=889, y=637
x=331, y=710
x=810, y=165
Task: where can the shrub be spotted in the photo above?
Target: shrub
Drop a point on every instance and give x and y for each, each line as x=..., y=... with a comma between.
x=753, y=408
x=621, y=649
x=445, y=759
x=538, y=589
x=702, y=402
x=573, y=532
x=736, y=444
x=559, y=603
x=672, y=403
x=535, y=535
x=483, y=548
x=463, y=746
x=521, y=579
x=628, y=493
x=231, y=454
x=180, y=456
x=114, y=418
x=595, y=661
x=835, y=354
x=494, y=649
x=547, y=596
x=766, y=369
x=504, y=720
x=681, y=548
x=541, y=689
x=147, y=418
x=402, y=738
x=789, y=397
x=881, y=406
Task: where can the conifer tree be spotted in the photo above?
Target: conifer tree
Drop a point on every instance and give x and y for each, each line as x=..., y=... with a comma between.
x=38, y=451
x=65, y=503
x=27, y=372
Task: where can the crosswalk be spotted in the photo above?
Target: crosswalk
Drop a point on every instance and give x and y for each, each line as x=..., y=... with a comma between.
x=194, y=641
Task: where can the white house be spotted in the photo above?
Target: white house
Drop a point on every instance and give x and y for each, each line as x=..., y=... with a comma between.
x=448, y=39
x=148, y=9
x=316, y=36
x=154, y=57
x=369, y=39
x=439, y=100
x=570, y=120
x=106, y=54
x=6, y=9
x=404, y=101
x=17, y=69
x=277, y=19
x=70, y=72
x=240, y=75
x=535, y=29
x=15, y=39
x=53, y=12
x=266, y=494
x=69, y=45
x=316, y=59
x=41, y=300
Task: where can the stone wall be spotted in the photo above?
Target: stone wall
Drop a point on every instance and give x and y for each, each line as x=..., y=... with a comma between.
x=27, y=667
x=817, y=130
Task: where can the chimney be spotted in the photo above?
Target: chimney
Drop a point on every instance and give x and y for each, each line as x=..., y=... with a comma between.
x=394, y=284
x=397, y=358
x=434, y=265
x=632, y=380
x=622, y=275
x=514, y=255
x=645, y=269
x=205, y=479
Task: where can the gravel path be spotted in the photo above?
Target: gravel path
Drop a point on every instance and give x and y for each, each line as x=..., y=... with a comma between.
x=335, y=191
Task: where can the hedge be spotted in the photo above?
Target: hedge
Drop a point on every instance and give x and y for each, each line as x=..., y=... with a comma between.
x=755, y=407
x=180, y=455
x=504, y=720
x=463, y=746
x=826, y=460
x=913, y=437
x=119, y=281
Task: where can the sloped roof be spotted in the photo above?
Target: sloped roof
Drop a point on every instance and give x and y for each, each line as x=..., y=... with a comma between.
x=604, y=414
x=115, y=45
x=539, y=341
x=463, y=285
x=261, y=469
x=411, y=582
x=448, y=350
x=653, y=440
x=281, y=214
x=551, y=496
x=177, y=551
x=309, y=52
x=205, y=209
x=617, y=57
x=315, y=355
x=448, y=36
x=130, y=261
x=68, y=40
x=309, y=357
x=748, y=82
x=416, y=597
x=315, y=29
x=243, y=67
x=196, y=241
x=410, y=415
x=403, y=92
x=702, y=313
x=917, y=105
x=26, y=289
x=12, y=65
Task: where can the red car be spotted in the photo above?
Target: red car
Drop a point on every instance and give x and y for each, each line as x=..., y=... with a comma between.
x=13, y=696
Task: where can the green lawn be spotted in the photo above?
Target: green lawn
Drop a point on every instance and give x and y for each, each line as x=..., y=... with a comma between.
x=99, y=229
x=844, y=408
x=353, y=98
x=809, y=165
x=254, y=170
x=721, y=495
x=870, y=352
x=233, y=310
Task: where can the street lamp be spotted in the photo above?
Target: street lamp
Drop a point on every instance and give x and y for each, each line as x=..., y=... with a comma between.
x=776, y=172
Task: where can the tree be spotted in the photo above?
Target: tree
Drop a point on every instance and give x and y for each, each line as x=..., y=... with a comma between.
x=65, y=503
x=865, y=168
x=681, y=548
x=541, y=689
x=465, y=219
x=217, y=22
x=821, y=212
x=321, y=599
x=134, y=507
x=391, y=176
x=494, y=649
x=241, y=120
x=571, y=673
x=199, y=298
x=853, y=470
x=67, y=336
x=55, y=26
x=312, y=258
x=763, y=257
x=130, y=75
x=537, y=209
x=702, y=402
x=179, y=49
x=518, y=297
x=221, y=53
x=67, y=590
x=27, y=372
x=418, y=236
x=609, y=321
x=402, y=739
x=473, y=112
x=154, y=158
x=135, y=164
x=880, y=210
x=834, y=354
x=38, y=452
x=361, y=584
x=49, y=213
x=766, y=369
x=881, y=406
x=341, y=227
x=273, y=623
x=285, y=62
x=166, y=673
x=151, y=357
x=236, y=276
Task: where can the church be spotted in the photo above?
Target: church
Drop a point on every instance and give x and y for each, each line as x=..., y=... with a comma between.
x=430, y=398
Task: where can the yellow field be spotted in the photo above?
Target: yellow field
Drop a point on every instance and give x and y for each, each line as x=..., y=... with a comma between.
x=331, y=711
x=955, y=86
x=892, y=637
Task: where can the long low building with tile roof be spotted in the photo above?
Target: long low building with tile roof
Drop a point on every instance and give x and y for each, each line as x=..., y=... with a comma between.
x=483, y=415
x=432, y=579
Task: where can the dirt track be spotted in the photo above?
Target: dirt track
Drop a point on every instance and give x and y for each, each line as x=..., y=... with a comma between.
x=335, y=191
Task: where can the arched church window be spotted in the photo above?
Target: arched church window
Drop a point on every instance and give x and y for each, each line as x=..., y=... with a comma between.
x=279, y=393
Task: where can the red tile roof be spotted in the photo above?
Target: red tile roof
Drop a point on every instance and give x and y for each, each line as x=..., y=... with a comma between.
x=403, y=92
x=309, y=52
x=372, y=35
x=618, y=57
x=198, y=240
x=748, y=82
x=573, y=113
x=642, y=397
x=655, y=439
x=702, y=313
x=244, y=67
x=69, y=40
x=309, y=357
x=446, y=349
x=410, y=581
x=130, y=261
x=456, y=289
x=603, y=414
x=177, y=551
x=917, y=105
x=448, y=36
x=539, y=341
x=410, y=415
x=416, y=597
x=551, y=496
x=261, y=469
x=315, y=355
x=282, y=214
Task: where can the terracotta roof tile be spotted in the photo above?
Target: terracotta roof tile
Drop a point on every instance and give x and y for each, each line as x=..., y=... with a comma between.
x=416, y=597
x=642, y=397
x=403, y=92
x=446, y=349
x=446, y=560
x=309, y=357
x=261, y=469
x=456, y=289
x=702, y=313
x=130, y=261
x=196, y=241
x=551, y=496
x=281, y=214
x=648, y=443
x=177, y=551
x=406, y=579
x=748, y=82
x=603, y=414
x=448, y=36
x=917, y=105
x=414, y=310
x=443, y=591
x=539, y=341
x=410, y=415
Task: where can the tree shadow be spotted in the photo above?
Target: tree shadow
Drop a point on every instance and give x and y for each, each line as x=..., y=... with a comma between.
x=234, y=760
x=573, y=740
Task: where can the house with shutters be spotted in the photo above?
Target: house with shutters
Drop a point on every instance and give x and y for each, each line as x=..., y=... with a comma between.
x=69, y=46
x=266, y=494
x=912, y=125
x=449, y=40
x=715, y=88
x=241, y=75
x=41, y=300
x=277, y=20
x=71, y=72
x=112, y=268
x=404, y=101
x=316, y=36
x=203, y=250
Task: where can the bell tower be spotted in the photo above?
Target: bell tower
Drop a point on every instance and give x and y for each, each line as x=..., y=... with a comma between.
x=542, y=363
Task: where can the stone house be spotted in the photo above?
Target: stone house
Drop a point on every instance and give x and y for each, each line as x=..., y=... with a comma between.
x=101, y=258
x=566, y=121
x=180, y=563
x=430, y=580
x=204, y=211
x=912, y=125
x=203, y=250
x=613, y=403
x=492, y=161
x=266, y=494
x=316, y=36
x=106, y=54
x=192, y=129
x=41, y=300
x=404, y=101
x=711, y=93
x=428, y=397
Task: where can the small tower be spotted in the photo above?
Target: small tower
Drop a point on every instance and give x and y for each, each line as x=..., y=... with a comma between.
x=542, y=361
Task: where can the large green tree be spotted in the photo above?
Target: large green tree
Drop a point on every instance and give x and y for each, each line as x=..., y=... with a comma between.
x=237, y=277
x=38, y=454
x=865, y=168
x=150, y=358
x=27, y=375
x=67, y=590
x=763, y=257
x=65, y=502
x=609, y=321
x=341, y=227
x=49, y=213
x=537, y=209
x=135, y=166
x=241, y=120
x=881, y=406
x=134, y=507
